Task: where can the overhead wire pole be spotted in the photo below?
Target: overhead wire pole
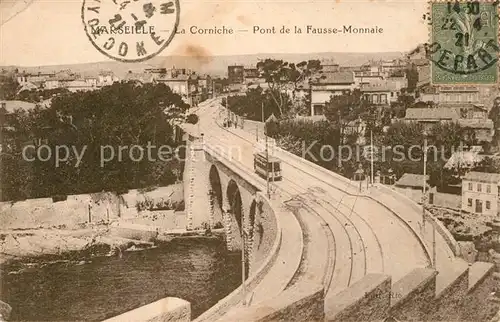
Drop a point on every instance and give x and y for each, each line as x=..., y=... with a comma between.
x=267, y=154
x=424, y=199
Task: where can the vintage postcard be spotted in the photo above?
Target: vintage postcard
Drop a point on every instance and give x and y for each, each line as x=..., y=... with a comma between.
x=267, y=160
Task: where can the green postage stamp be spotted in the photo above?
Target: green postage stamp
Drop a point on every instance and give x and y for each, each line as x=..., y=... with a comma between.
x=464, y=42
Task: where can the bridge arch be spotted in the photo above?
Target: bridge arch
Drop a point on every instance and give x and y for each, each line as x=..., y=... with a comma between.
x=215, y=194
x=235, y=204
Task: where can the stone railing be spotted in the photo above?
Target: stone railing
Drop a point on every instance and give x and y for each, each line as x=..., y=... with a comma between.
x=438, y=225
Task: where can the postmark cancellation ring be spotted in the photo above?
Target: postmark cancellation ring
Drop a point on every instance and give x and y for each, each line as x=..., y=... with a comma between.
x=130, y=30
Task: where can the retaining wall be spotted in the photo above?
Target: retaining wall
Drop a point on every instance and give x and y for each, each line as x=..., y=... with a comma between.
x=415, y=297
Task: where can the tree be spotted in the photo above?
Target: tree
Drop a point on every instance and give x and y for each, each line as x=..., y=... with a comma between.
x=283, y=77
x=412, y=76
x=343, y=109
x=118, y=116
x=192, y=119
x=494, y=115
x=489, y=165
x=8, y=87
x=250, y=105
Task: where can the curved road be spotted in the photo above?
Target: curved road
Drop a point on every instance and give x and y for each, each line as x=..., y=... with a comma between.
x=347, y=235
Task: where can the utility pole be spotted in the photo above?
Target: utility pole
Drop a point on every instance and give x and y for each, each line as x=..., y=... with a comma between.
x=424, y=200
x=424, y=179
x=267, y=154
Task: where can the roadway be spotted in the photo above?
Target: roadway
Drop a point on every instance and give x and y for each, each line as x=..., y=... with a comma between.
x=346, y=234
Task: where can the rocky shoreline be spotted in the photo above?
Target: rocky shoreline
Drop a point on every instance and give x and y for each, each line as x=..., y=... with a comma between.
x=51, y=245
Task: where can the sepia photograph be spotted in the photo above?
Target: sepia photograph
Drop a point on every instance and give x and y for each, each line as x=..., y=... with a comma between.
x=239, y=161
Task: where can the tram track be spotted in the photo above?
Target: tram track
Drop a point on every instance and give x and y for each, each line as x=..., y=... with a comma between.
x=327, y=211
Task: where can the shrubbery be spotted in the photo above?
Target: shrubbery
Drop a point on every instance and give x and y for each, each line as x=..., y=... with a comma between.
x=192, y=119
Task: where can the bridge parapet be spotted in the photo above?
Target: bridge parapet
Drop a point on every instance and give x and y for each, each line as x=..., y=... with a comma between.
x=374, y=296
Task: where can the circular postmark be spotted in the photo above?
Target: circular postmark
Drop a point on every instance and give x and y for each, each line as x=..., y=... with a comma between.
x=130, y=30
x=464, y=37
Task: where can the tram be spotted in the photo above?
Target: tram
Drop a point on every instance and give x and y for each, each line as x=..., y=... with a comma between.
x=273, y=165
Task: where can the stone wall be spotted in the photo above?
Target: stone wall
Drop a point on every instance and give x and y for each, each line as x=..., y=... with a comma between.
x=195, y=176
x=413, y=295
x=418, y=296
x=169, y=309
x=366, y=300
x=447, y=200
x=264, y=236
x=297, y=304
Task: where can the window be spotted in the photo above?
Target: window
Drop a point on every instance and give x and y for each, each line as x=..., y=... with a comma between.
x=469, y=202
x=383, y=98
x=318, y=109
x=479, y=187
x=470, y=186
x=488, y=188
x=488, y=205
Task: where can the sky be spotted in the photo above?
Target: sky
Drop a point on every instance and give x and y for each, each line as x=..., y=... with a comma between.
x=50, y=32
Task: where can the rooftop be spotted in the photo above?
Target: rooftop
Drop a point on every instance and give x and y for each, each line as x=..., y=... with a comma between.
x=335, y=78
x=385, y=86
x=432, y=114
x=412, y=180
x=477, y=123
x=464, y=159
x=11, y=106
x=483, y=177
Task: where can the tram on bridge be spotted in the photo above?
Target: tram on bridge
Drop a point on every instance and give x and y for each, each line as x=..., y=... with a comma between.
x=267, y=167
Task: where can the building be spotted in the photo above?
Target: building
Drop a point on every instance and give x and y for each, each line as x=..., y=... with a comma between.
x=139, y=77
x=329, y=84
x=466, y=159
x=470, y=116
x=329, y=67
x=33, y=77
x=368, y=76
x=357, y=128
x=106, y=78
x=7, y=108
x=484, y=129
x=392, y=66
x=158, y=71
x=431, y=116
x=59, y=80
x=481, y=193
x=411, y=185
x=382, y=92
x=449, y=94
x=236, y=74
x=13, y=105
x=184, y=84
x=78, y=85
